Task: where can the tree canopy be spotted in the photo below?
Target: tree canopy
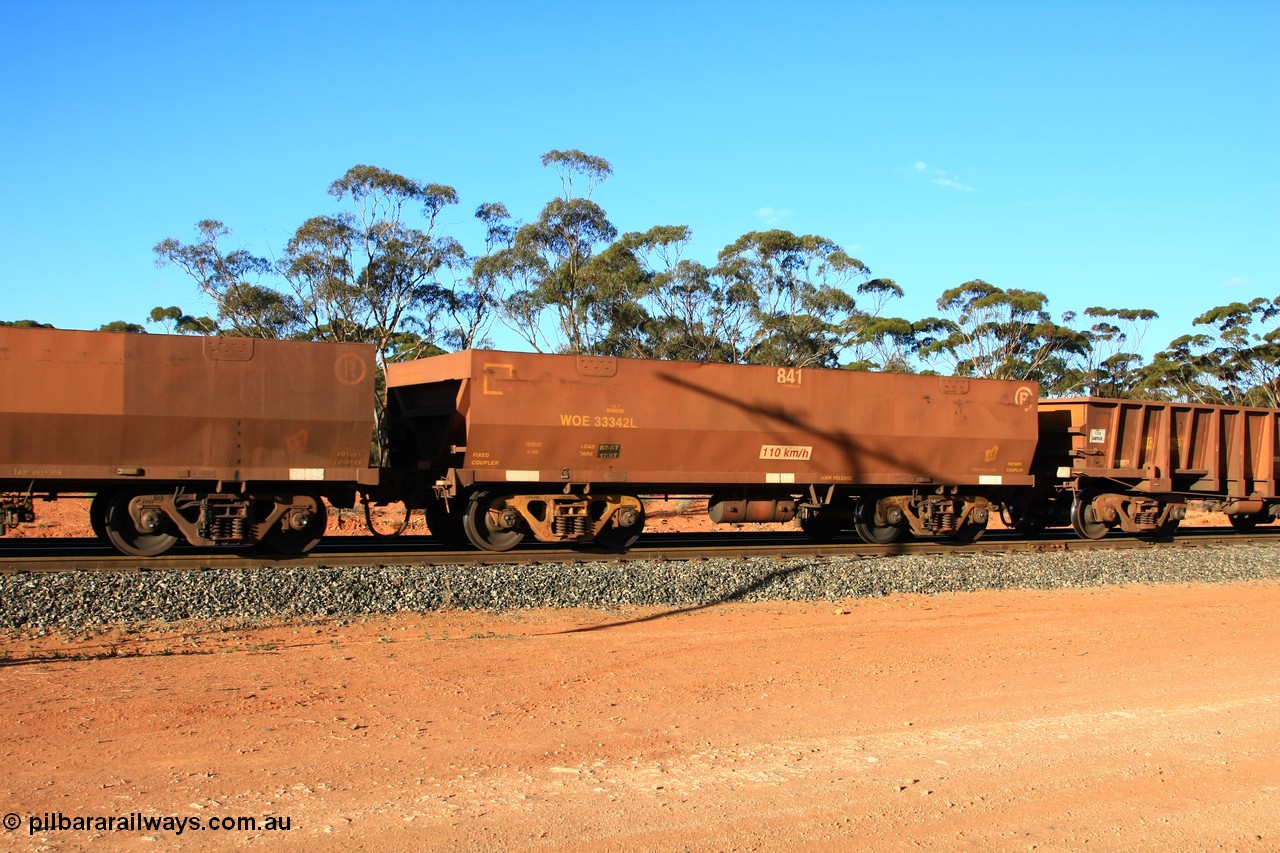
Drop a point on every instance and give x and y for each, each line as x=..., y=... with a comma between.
x=386, y=267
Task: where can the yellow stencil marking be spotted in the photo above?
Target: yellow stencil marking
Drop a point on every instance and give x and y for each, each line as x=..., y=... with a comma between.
x=492, y=369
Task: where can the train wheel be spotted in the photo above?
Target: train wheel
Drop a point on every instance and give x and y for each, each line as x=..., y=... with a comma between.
x=445, y=527
x=300, y=529
x=865, y=525
x=98, y=514
x=1083, y=521
x=388, y=523
x=125, y=536
x=486, y=528
x=621, y=538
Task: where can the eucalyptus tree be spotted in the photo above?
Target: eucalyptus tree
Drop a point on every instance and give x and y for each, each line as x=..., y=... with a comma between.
x=473, y=303
x=695, y=315
x=543, y=270
x=373, y=272
x=1236, y=363
x=175, y=321
x=612, y=316
x=886, y=344
x=1181, y=371
x=999, y=334
x=1246, y=350
x=123, y=326
x=874, y=341
x=796, y=290
x=229, y=279
x=649, y=302
x=1112, y=364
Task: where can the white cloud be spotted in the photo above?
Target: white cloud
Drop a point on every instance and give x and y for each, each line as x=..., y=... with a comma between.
x=945, y=180
x=1235, y=282
x=771, y=215
x=941, y=178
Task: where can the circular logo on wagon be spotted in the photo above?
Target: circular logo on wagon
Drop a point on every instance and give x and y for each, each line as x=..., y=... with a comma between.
x=350, y=369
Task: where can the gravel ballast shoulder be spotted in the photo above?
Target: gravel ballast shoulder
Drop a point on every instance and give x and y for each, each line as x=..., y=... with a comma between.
x=77, y=601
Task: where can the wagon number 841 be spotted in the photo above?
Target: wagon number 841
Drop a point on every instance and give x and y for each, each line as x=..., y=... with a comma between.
x=789, y=375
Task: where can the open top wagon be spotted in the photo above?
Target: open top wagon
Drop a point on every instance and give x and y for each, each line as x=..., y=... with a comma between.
x=1133, y=464
x=215, y=441
x=563, y=448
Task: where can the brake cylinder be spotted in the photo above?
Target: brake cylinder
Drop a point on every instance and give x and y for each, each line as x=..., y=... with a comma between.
x=724, y=510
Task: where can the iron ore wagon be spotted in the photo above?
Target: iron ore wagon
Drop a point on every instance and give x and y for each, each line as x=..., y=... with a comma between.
x=217, y=441
x=562, y=447
x=238, y=441
x=1133, y=464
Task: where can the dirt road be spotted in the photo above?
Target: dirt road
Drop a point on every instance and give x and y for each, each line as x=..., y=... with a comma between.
x=1138, y=718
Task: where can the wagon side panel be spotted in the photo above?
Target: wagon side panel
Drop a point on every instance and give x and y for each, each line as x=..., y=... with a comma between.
x=541, y=418
x=92, y=406
x=1220, y=452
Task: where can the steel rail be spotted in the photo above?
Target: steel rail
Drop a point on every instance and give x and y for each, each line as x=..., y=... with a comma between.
x=59, y=555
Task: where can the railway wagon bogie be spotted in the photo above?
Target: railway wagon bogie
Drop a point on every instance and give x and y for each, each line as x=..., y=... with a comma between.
x=495, y=521
x=881, y=518
x=1095, y=512
x=562, y=448
x=146, y=523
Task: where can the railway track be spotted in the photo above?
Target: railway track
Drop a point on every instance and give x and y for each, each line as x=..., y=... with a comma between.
x=59, y=555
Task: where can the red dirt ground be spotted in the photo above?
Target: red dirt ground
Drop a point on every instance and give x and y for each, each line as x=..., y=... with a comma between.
x=1113, y=719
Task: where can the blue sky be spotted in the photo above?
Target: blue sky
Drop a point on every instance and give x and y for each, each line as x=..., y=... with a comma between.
x=1124, y=154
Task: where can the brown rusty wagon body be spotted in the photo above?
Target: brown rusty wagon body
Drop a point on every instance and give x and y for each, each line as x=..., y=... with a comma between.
x=213, y=440
x=1133, y=464
x=562, y=447
x=234, y=441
